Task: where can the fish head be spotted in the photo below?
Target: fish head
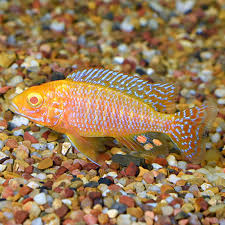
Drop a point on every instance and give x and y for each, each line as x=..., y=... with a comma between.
x=38, y=104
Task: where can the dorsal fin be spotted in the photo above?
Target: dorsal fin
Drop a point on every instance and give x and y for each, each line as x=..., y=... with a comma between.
x=161, y=96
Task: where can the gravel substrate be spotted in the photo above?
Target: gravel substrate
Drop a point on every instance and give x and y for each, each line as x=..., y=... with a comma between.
x=43, y=180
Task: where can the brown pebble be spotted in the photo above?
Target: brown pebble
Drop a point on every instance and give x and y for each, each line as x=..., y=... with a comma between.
x=11, y=143
x=57, y=160
x=94, y=194
x=148, y=178
x=166, y=188
x=161, y=161
x=127, y=201
x=28, y=137
x=131, y=170
x=61, y=171
x=25, y=190
x=48, y=184
x=86, y=203
x=103, y=218
x=29, y=169
x=46, y=163
x=136, y=212
x=62, y=211
x=68, y=193
x=20, y=216
x=3, y=123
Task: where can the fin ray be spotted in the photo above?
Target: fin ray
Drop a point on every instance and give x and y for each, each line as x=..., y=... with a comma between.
x=161, y=96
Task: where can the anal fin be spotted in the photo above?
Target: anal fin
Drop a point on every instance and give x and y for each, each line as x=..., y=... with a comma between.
x=91, y=147
x=146, y=144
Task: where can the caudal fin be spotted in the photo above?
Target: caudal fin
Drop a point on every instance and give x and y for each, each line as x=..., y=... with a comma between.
x=188, y=128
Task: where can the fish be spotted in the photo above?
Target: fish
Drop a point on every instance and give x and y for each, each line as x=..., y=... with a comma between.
x=96, y=103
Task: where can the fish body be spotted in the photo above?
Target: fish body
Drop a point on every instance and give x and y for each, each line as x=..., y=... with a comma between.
x=95, y=103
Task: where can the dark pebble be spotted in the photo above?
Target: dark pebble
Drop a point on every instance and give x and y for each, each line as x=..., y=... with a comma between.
x=92, y=184
x=57, y=76
x=98, y=201
x=181, y=215
x=124, y=160
x=105, y=181
x=140, y=71
x=120, y=207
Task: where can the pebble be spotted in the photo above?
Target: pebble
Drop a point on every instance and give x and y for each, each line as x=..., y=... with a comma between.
x=37, y=221
x=124, y=219
x=206, y=75
x=112, y=213
x=30, y=63
x=167, y=210
x=173, y=178
x=172, y=160
x=215, y=137
x=21, y=216
x=6, y=59
x=19, y=121
x=127, y=201
x=90, y=219
x=40, y=199
x=220, y=92
x=57, y=26
x=46, y=163
x=136, y=212
x=156, y=166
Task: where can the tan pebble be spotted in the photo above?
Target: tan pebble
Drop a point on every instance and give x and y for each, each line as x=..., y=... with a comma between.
x=6, y=59
x=136, y=212
x=142, y=171
x=187, y=207
x=103, y=218
x=46, y=163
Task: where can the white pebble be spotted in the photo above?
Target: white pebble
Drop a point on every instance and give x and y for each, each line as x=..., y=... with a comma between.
x=19, y=121
x=30, y=62
x=182, y=165
x=65, y=147
x=156, y=166
x=215, y=137
x=150, y=71
x=220, y=92
x=40, y=199
x=122, y=48
x=184, y=6
x=19, y=132
x=167, y=210
x=38, y=146
x=221, y=101
x=50, y=146
x=112, y=213
x=118, y=59
x=67, y=201
x=124, y=219
x=189, y=195
x=206, y=75
x=173, y=178
x=1, y=145
x=57, y=26
x=172, y=160
x=33, y=185
x=205, y=186
x=2, y=167
x=37, y=221
x=126, y=26
x=41, y=176
x=15, y=80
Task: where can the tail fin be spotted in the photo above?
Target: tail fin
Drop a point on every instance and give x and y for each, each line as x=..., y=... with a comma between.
x=188, y=128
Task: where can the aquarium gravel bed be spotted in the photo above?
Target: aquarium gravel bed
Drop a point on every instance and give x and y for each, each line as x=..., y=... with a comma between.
x=43, y=179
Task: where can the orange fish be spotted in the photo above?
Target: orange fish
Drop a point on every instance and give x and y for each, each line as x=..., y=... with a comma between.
x=94, y=103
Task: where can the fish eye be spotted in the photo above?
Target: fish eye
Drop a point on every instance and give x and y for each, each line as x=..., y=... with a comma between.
x=34, y=99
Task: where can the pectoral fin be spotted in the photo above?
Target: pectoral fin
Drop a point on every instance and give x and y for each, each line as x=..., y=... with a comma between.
x=89, y=146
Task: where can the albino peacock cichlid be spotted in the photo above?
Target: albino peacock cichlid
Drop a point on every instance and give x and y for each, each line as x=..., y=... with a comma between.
x=94, y=103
